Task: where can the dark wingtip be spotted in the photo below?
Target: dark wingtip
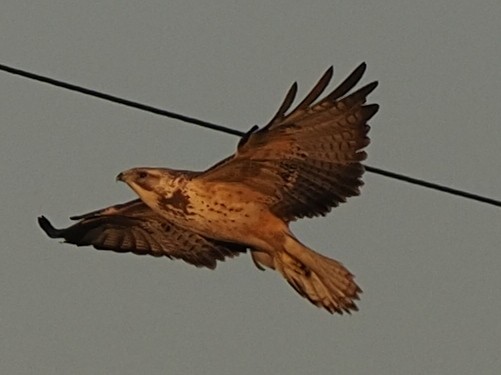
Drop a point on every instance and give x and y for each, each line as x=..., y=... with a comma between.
x=371, y=110
x=348, y=83
x=372, y=86
x=360, y=70
x=48, y=228
x=242, y=141
x=366, y=90
x=327, y=76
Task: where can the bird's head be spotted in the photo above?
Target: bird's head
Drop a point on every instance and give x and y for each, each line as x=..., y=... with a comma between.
x=146, y=182
x=143, y=178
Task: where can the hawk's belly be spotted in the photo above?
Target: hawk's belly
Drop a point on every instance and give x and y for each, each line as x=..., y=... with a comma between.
x=223, y=212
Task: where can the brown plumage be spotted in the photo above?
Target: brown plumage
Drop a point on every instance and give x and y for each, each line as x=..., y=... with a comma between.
x=301, y=164
x=134, y=227
x=311, y=156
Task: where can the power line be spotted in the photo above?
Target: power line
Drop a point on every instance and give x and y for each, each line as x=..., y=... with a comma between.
x=116, y=99
x=205, y=124
x=432, y=185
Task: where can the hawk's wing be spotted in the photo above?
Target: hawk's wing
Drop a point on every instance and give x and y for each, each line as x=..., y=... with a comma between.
x=309, y=160
x=134, y=227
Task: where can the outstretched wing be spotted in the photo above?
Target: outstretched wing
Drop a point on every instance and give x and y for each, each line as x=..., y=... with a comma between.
x=309, y=160
x=134, y=227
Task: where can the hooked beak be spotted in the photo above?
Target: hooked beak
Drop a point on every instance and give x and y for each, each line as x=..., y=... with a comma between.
x=120, y=177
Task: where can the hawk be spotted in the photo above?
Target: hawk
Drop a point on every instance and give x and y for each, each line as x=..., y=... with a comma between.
x=301, y=164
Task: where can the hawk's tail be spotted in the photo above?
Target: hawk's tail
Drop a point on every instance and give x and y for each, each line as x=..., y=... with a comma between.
x=324, y=281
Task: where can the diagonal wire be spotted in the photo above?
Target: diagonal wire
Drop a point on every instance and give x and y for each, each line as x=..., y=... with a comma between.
x=209, y=125
x=116, y=99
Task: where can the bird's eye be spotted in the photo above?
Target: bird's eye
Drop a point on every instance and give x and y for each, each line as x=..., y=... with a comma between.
x=142, y=175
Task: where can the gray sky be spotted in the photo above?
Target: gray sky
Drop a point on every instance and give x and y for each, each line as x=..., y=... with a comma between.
x=428, y=262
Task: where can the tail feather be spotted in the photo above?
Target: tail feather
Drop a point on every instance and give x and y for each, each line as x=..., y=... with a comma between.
x=323, y=281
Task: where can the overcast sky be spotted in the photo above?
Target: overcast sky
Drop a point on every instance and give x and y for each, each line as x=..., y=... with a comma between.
x=429, y=263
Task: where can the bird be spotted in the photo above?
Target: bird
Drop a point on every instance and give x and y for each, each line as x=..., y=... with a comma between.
x=301, y=164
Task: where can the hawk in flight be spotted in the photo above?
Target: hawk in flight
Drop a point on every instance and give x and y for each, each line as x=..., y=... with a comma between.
x=301, y=164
